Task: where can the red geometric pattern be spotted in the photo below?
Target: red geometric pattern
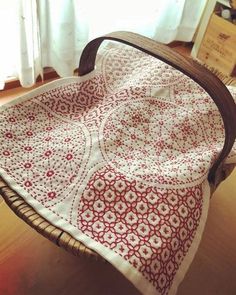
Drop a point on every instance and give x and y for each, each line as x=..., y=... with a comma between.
x=151, y=228
x=120, y=157
x=76, y=101
x=33, y=147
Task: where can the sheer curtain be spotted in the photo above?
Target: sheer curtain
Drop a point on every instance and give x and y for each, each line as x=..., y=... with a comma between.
x=51, y=33
x=20, y=44
x=162, y=20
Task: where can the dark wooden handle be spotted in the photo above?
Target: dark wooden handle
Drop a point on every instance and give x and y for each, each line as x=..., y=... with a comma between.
x=209, y=82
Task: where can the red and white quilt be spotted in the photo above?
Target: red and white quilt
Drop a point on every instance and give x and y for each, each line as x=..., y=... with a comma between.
x=119, y=159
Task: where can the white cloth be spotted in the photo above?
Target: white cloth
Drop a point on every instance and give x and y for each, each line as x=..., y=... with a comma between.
x=119, y=159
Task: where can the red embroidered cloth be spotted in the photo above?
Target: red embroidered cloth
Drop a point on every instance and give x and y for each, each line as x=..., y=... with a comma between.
x=119, y=159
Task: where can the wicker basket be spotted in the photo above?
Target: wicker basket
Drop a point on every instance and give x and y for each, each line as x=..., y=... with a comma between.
x=198, y=73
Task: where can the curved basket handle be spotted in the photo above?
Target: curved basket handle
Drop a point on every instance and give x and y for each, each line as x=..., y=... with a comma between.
x=209, y=82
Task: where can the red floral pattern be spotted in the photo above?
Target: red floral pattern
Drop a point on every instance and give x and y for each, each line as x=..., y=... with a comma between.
x=120, y=157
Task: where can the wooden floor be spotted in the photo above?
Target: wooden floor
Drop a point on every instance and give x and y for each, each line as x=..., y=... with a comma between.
x=31, y=265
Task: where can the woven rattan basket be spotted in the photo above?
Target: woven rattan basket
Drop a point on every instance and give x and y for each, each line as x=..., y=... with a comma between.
x=198, y=73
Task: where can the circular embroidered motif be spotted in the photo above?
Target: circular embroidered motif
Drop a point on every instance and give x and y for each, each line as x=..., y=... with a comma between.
x=120, y=67
x=152, y=140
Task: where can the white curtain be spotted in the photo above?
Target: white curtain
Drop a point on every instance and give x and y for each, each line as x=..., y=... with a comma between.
x=20, y=46
x=162, y=20
x=63, y=33
x=52, y=33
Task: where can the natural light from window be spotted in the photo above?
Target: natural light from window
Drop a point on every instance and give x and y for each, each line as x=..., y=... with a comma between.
x=9, y=35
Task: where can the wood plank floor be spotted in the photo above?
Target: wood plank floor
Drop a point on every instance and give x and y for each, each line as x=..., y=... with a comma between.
x=31, y=265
